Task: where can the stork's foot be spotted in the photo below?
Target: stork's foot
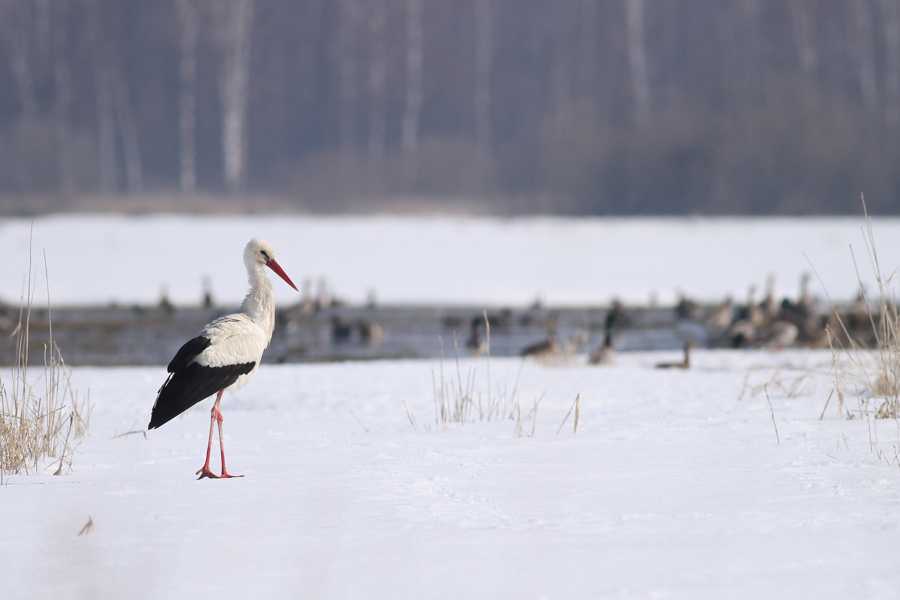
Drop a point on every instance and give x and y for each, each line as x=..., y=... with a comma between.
x=205, y=472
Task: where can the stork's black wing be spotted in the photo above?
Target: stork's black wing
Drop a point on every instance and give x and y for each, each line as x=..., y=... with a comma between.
x=190, y=382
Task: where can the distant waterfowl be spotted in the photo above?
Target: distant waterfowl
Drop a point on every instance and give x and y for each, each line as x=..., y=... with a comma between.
x=340, y=331
x=543, y=348
x=779, y=335
x=742, y=334
x=751, y=312
x=369, y=332
x=685, y=364
x=721, y=316
x=821, y=336
x=687, y=309
x=476, y=343
x=578, y=340
x=859, y=313
x=617, y=316
x=604, y=354
x=744, y=331
x=207, y=293
x=803, y=314
x=769, y=306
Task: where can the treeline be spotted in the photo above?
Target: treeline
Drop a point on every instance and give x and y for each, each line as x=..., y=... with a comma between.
x=518, y=106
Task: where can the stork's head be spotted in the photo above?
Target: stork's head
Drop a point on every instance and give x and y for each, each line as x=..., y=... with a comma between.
x=260, y=252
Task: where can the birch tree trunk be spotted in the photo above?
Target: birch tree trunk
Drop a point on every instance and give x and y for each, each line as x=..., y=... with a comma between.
x=409, y=136
x=235, y=19
x=377, y=77
x=865, y=54
x=63, y=87
x=115, y=113
x=750, y=60
x=347, y=40
x=16, y=28
x=561, y=103
x=890, y=10
x=106, y=123
x=637, y=60
x=134, y=177
x=587, y=48
x=43, y=19
x=101, y=62
x=803, y=22
x=189, y=17
x=484, y=58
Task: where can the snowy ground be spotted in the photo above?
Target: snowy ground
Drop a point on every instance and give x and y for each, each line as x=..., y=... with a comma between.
x=439, y=260
x=672, y=487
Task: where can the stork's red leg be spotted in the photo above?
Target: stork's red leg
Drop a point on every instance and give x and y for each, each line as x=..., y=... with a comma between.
x=214, y=415
x=224, y=474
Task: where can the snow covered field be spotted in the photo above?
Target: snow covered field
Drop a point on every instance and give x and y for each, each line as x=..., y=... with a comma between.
x=675, y=485
x=439, y=260
x=671, y=488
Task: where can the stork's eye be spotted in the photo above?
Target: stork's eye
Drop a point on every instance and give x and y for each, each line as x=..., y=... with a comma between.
x=265, y=254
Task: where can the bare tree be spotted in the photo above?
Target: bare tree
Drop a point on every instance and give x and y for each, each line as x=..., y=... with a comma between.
x=803, y=20
x=865, y=53
x=484, y=59
x=101, y=59
x=189, y=19
x=561, y=103
x=43, y=17
x=587, y=50
x=749, y=18
x=115, y=114
x=637, y=59
x=890, y=20
x=235, y=24
x=347, y=40
x=106, y=123
x=15, y=31
x=131, y=151
x=377, y=77
x=63, y=89
x=409, y=136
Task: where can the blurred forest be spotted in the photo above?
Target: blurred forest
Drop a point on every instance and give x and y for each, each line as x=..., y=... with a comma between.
x=501, y=106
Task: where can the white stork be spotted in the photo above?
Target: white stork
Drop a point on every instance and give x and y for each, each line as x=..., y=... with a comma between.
x=225, y=354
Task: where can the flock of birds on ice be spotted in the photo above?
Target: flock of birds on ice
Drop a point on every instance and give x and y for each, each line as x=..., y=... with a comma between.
x=766, y=324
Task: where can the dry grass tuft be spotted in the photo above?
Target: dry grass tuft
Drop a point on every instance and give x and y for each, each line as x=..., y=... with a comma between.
x=792, y=382
x=577, y=406
x=457, y=401
x=88, y=527
x=870, y=373
x=39, y=424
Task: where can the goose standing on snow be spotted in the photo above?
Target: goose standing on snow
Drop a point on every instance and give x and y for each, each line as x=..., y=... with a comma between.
x=605, y=353
x=476, y=343
x=685, y=364
x=544, y=348
x=225, y=354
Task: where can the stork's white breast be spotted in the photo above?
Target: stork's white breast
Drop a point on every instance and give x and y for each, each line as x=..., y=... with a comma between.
x=234, y=339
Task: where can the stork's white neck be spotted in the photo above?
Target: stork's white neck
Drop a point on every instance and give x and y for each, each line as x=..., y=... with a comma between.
x=259, y=303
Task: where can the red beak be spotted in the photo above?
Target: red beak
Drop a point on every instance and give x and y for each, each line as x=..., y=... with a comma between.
x=277, y=268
